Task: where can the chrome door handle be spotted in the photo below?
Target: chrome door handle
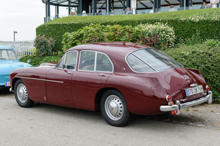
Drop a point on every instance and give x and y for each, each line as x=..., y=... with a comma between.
x=69, y=72
x=102, y=74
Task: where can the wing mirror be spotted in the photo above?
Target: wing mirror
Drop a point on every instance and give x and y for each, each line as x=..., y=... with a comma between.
x=29, y=61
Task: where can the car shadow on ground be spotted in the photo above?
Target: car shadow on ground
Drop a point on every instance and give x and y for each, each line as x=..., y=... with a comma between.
x=137, y=120
x=4, y=91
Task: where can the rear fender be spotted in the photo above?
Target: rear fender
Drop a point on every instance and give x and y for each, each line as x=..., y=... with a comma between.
x=197, y=74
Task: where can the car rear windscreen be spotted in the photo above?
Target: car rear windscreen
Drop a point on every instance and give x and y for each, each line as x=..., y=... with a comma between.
x=150, y=60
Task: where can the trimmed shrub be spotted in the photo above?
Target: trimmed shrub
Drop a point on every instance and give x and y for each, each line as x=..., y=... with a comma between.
x=204, y=58
x=43, y=45
x=185, y=23
x=158, y=35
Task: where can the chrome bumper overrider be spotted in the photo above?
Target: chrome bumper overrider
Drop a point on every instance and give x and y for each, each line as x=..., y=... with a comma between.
x=176, y=107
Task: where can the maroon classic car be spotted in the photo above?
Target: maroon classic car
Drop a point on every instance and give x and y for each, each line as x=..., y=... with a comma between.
x=119, y=79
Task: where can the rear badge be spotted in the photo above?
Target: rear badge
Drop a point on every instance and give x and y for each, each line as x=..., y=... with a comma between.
x=185, y=77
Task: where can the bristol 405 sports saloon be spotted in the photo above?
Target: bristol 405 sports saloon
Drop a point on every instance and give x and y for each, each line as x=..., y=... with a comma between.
x=119, y=79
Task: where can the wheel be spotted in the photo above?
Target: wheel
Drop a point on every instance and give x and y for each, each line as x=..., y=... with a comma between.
x=21, y=95
x=114, y=108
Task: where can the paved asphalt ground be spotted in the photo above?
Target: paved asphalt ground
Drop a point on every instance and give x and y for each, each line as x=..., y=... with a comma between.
x=47, y=125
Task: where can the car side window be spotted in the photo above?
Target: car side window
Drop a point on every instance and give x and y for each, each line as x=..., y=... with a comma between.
x=71, y=59
x=61, y=62
x=103, y=63
x=87, y=60
x=137, y=65
x=3, y=55
x=12, y=55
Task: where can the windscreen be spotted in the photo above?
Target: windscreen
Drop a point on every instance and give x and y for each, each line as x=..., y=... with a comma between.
x=150, y=60
x=7, y=55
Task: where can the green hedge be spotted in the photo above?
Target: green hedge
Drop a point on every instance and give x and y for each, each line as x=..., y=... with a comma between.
x=203, y=57
x=36, y=61
x=155, y=35
x=204, y=23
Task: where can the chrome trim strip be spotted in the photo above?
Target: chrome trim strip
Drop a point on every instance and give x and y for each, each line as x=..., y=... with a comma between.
x=95, y=61
x=41, y=79
x=54, y=81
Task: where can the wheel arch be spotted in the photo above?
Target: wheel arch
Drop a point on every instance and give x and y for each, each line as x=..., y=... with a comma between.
x=14, y=81
x=99, y=95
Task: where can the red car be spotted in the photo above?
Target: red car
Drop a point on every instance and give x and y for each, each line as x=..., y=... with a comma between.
x=119, y=79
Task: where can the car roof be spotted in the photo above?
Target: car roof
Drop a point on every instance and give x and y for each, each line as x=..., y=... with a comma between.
x=111, y=48
x=6, y=47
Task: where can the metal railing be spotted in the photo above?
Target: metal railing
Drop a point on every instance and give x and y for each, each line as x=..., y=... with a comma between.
x=22, y=48
x=120, y=12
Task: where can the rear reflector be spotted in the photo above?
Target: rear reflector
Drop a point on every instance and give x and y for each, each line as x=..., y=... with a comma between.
x=207, y=87
x=168, y=97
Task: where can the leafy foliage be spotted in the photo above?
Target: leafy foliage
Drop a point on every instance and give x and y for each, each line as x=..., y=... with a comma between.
x=157, y=35
x=36, y=61
x=180, y=21
x=43, y=45
x=212, y=42
x=203, y=57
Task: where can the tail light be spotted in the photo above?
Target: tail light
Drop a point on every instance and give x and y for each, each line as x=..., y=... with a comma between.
x=207, y=87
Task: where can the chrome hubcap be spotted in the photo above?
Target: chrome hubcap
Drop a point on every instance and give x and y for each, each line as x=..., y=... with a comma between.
x=114, y=107
x=22, y=93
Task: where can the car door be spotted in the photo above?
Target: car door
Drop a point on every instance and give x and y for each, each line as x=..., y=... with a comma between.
x=58, y=81
x=94, y=69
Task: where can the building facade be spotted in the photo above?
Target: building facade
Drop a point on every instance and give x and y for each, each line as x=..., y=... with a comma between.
x=93, y=6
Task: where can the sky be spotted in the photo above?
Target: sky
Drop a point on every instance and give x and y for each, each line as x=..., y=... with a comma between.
x=23, y=16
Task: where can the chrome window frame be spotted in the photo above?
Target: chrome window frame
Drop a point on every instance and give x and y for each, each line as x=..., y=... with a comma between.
x=94, y=70
x=64, y=57
x=76, y=60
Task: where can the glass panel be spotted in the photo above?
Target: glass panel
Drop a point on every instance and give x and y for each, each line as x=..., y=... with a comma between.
x=12, y=55
x=138, y=65
x=71, y=59
x=87, y=61
x=3, y=55
x=103, y=63
x=156, y=59
x=61, y=62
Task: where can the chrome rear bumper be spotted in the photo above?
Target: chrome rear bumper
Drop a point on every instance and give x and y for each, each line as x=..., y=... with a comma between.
x=176, y=107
